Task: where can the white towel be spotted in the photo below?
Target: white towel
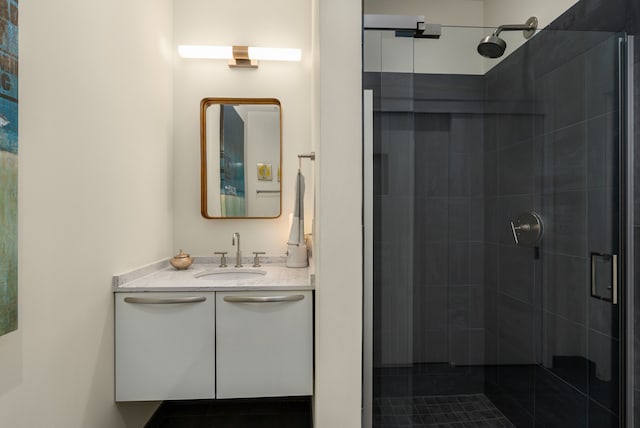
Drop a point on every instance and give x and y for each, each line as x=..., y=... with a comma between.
x=296, y=235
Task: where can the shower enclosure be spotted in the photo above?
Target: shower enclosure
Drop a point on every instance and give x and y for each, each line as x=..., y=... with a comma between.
x=471, y=320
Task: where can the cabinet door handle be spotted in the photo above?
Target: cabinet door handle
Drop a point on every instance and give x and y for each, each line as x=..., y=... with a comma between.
x=170, y=301
x=263, y=299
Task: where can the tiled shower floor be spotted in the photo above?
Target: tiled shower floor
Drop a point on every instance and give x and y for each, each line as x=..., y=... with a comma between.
x=439, y=411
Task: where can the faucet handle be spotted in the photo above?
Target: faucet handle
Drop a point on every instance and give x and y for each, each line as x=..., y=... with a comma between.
x=256, y=258
x=223, y=259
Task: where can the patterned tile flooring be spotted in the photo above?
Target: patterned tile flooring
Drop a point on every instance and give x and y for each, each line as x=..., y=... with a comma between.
x=440, y=411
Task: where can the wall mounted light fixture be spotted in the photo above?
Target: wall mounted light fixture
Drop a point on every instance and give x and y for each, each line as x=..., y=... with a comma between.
x=240, y=56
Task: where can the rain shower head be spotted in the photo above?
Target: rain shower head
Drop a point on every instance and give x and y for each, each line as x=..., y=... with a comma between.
x=493, y=46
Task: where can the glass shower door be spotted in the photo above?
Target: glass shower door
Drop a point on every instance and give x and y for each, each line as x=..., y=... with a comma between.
x=553, y=146
x=580, y=154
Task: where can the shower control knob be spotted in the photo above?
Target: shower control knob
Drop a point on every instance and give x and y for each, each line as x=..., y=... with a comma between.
x=527, y=229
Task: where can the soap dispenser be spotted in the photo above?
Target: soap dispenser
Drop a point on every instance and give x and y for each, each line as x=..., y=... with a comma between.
x=297, y=256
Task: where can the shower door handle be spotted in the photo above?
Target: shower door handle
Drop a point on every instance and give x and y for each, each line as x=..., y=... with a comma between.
x=598, y=263
x=614, y=280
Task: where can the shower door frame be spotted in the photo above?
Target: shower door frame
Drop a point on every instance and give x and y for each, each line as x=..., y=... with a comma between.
x=367, y=230
x=626, y=135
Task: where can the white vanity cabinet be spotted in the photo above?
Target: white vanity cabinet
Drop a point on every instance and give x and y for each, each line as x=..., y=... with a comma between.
x=264, y=343
x=165, y=346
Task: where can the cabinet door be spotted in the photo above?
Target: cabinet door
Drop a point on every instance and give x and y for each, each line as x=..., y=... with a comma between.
x=264, y=344
x=164, y=346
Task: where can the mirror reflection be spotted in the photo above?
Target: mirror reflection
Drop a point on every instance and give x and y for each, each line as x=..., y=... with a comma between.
x=241, y=152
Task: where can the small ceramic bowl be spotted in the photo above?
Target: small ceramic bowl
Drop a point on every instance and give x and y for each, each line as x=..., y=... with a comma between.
x=181, y=261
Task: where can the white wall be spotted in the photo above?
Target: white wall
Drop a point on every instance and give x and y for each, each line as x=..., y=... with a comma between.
x=338, y=138
x=454, y=52
x=277, y=23
x=445, y=12
x=499, y=12
x=95, y=167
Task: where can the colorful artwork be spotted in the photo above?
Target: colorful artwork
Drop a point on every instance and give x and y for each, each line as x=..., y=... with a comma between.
x=8, y=166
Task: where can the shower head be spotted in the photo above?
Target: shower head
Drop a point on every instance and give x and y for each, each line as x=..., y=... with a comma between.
x=493, y=46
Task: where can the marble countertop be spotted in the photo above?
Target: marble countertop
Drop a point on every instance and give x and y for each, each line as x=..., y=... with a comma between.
x=161, y=276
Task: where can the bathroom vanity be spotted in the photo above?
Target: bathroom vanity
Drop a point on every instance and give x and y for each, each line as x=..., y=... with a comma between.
x=211, y=332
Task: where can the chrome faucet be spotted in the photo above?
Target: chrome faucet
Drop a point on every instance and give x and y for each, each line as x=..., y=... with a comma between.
x=238, y=252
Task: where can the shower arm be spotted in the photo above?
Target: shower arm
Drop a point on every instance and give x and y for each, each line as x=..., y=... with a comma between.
x=515, y=27
x=529, y=27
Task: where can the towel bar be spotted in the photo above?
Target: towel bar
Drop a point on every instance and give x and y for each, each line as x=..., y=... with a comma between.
x=311, y=156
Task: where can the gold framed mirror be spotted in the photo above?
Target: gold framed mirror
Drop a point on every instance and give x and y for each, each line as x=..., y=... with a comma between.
x=240, y=158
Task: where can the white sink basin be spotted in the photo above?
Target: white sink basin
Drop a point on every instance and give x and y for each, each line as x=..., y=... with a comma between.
x=233, y=274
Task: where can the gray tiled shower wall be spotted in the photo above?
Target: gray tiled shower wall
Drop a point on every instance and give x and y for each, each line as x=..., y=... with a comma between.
x=619, y=15
x=552, y=139
x=449, y=221
x=429, y=196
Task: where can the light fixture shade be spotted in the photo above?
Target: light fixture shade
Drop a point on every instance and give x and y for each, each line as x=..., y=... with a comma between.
x=228, y=52
x=205, y=51
x=275, y=54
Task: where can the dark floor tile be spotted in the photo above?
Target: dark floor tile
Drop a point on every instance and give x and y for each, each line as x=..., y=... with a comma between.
x=557, y=403
x=179, y=422
x=510, y=407
x=601, y=417
x=518, y=383
x=244, y=413
x=456, y=411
